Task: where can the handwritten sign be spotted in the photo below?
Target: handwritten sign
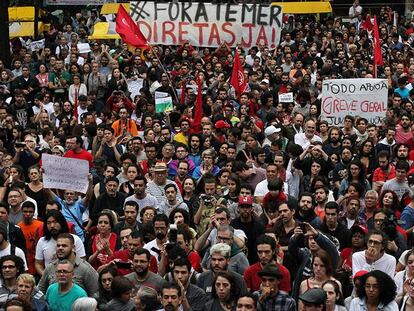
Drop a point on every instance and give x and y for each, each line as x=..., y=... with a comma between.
x=286, y=98
x=163, y=104
x=65, y=173
x=356, y=97
x=208, y=24
x=134, y=86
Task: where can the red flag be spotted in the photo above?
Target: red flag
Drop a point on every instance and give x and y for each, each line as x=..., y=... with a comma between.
x=378, y=60
x=238, y=80
x=75, y=108
x=183, y=89
x=129, y=30
x=367, y=23
x=198, y=113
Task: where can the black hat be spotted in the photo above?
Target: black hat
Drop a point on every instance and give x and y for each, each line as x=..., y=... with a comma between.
x=315, y=296
x=271, y=270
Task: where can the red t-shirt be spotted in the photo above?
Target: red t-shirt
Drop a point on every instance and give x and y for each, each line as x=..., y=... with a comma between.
x=83, y=155
x=253, y=280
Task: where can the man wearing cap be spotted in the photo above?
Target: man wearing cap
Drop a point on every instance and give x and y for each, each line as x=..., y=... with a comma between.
x=156, y=187
x=271, y=135
x=313, y=299
x=264, y=85
x=269, y=295
x=247, y=222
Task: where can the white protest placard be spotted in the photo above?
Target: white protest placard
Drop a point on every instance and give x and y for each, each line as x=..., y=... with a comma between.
x=65, y=173
x=366, y=98
x=134, y=86
x=208, y=24
x=37, y=45
x=161, y=94
x=163, y=104
x=286, y=98
x=84, y=48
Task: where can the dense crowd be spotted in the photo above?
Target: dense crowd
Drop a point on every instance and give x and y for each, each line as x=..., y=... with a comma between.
x=266, y=207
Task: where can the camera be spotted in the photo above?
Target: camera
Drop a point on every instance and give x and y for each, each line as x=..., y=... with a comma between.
x=389, y=226
x=123, y=265
x=208, y=201
x=20, y=144
x=173, y=234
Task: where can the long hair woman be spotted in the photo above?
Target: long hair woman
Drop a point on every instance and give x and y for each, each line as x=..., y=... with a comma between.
x=376, y=292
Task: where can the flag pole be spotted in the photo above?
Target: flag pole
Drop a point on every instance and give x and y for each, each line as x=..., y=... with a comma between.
x=165, y=70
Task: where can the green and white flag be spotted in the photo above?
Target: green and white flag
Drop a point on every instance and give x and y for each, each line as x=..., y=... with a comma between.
x=163, y=104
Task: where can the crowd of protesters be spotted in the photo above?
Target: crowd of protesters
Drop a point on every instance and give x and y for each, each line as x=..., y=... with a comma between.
x=266, y=207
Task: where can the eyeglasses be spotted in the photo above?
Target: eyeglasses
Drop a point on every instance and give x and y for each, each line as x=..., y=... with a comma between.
x=63, y=271
x=373, y=242
x=223, y=239
x=8, y=267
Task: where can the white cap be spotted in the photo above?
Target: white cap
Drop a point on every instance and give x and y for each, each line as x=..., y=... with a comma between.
x=265, y=81
x=271, y=130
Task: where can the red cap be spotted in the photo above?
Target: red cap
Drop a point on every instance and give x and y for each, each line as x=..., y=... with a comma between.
x=246, y=200
x=221, y=124
x=359, y=228
x=360, y=273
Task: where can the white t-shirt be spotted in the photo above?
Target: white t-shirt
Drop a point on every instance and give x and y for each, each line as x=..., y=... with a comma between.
x=18, y=252
x=302, y=140
x=386, y=264
x=261, y=188
x=46, y=250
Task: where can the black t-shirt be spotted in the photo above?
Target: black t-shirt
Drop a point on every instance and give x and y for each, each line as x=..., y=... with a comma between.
x=252, y=230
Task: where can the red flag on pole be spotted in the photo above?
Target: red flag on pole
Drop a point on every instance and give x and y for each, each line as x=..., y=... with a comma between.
x=198, y=113
x=183, y=89
x=378, y=60
x=238, y=80
x=75, y=107
x=367, y=23
x=129, y=30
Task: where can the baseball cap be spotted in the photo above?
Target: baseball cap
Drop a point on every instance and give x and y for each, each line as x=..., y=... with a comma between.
x=265, y=81
x=246, y=200
x=271, y=130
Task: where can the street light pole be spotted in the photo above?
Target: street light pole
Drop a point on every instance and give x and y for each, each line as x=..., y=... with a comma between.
x=4, y=35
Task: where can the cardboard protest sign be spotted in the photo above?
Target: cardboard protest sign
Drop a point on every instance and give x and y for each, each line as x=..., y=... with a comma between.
x=65, y=173
x=163, y=104
x=208, y=24
x=366, y=98
x=37, y=45
x=286, y=98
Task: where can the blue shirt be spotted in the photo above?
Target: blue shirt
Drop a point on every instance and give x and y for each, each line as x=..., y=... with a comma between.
x=77, y=210
x=407, y=218
x=63, y=302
